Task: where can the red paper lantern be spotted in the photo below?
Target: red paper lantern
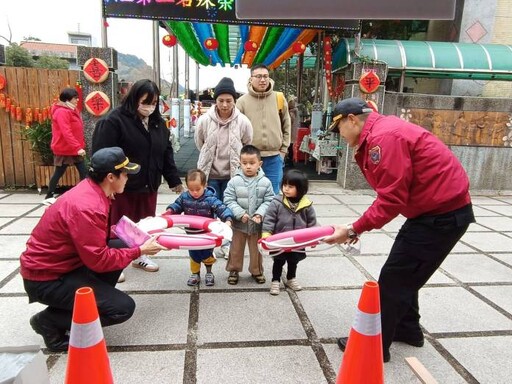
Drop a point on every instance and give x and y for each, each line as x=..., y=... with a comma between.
x=169, y=40
x=250, y=46
x=298, y=47
x=19, y=114
x=211, y=44
x=28, y=116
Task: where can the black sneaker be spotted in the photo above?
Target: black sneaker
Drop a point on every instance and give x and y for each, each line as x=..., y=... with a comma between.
x=55, y=340
x=342, y=344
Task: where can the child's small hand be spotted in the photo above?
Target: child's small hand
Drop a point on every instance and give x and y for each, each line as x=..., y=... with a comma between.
x=256, y=219
x=228, y=223
x=245, y=218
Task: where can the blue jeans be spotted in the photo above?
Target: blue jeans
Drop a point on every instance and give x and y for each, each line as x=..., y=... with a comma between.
x=273, y=168
x=220, y=186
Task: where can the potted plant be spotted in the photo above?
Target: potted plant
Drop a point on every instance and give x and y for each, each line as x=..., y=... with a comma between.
x=39, y=136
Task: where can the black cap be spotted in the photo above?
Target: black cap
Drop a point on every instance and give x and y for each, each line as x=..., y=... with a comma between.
x=225, y=85
x=112, y=159
x=352, y=106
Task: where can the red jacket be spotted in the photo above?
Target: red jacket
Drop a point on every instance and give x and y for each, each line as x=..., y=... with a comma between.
x=72, y=233
x=412, y=171
x=67, y=131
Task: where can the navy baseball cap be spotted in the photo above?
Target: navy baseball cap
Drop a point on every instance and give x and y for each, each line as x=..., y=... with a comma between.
x=112, y=159
x=354, y=106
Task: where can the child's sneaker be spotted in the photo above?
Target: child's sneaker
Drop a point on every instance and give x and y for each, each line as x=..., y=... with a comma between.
x=194, y=279
x=294, y=285
x=274, y=288
x=209, y=279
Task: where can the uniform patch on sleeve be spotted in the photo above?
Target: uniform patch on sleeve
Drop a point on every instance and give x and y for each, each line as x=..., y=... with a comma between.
x=374, y=154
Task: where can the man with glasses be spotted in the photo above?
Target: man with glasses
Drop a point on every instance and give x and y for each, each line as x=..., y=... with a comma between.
x=271, y=127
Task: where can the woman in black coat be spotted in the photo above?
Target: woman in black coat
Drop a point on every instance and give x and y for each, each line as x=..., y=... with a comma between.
x=138, y=128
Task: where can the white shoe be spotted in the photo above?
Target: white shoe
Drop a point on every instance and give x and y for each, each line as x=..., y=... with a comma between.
x=121, y=278
x=49, y=201
x=145, y=263
x=274, y=288
x=294, y=285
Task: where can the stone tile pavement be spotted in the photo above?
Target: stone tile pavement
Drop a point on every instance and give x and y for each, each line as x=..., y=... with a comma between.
x=241, y=334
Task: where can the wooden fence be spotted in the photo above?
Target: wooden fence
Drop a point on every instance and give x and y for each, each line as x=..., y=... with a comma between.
x=26, y=88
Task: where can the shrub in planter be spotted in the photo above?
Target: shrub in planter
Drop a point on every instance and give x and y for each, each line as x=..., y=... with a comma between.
x=39, y=135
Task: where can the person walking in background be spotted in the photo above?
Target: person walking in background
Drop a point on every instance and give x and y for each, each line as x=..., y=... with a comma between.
x=292, y=210
x=415, y=175
x=200, y=200
x=248, y=195
x=220, y=134
x=68, y=250
x=271, y=126
x=138, y=128
x=293, y=110
x=68, y=142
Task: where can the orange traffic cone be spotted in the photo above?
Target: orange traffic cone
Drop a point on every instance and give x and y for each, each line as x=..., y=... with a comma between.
x=88, y=360
x=362, y=360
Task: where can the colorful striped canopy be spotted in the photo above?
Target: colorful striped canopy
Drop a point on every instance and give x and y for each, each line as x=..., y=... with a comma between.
x=274, y=44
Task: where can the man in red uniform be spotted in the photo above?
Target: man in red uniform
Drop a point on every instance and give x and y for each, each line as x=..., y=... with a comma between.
x=415, y=175
x=68, y=250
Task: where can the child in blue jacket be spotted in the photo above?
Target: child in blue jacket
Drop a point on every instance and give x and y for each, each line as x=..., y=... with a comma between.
x=200, y=200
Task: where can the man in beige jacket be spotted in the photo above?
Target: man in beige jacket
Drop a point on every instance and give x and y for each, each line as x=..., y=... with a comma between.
x=271, y=127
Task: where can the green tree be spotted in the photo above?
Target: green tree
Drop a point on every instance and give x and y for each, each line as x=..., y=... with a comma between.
x=16, y=56
x=51, y=62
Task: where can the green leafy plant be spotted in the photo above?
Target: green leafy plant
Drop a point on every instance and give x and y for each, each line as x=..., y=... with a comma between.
x=39, y=135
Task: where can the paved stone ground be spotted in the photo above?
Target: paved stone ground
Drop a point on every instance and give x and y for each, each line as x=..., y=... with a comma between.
x=241, y=334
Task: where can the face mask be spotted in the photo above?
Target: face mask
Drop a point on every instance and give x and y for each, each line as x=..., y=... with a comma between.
x=146, y=110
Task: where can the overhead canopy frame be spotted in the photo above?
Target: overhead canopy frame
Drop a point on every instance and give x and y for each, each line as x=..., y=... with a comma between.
x=428, y=59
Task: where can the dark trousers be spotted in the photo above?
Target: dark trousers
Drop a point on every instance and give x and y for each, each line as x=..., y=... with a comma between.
x=290, y=258
x=59, y=171
x=420, y=247
x=114, y=306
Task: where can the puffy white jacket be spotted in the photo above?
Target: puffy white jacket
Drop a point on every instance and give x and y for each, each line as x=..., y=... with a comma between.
x=210, y=138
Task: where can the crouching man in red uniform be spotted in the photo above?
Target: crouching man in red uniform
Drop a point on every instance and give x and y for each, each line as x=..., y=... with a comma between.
x=416, y=175
x=68, y=250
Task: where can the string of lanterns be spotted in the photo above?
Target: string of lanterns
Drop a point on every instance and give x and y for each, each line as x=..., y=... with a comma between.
x=17, y=111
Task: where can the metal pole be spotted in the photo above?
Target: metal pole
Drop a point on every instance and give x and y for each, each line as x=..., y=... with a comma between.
x=176, y=72
x=187, y=76
x=286, y=75
x=104, y=43
x=317, y=75
x=300, y=77
x=156, y=54
x=197, y=80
